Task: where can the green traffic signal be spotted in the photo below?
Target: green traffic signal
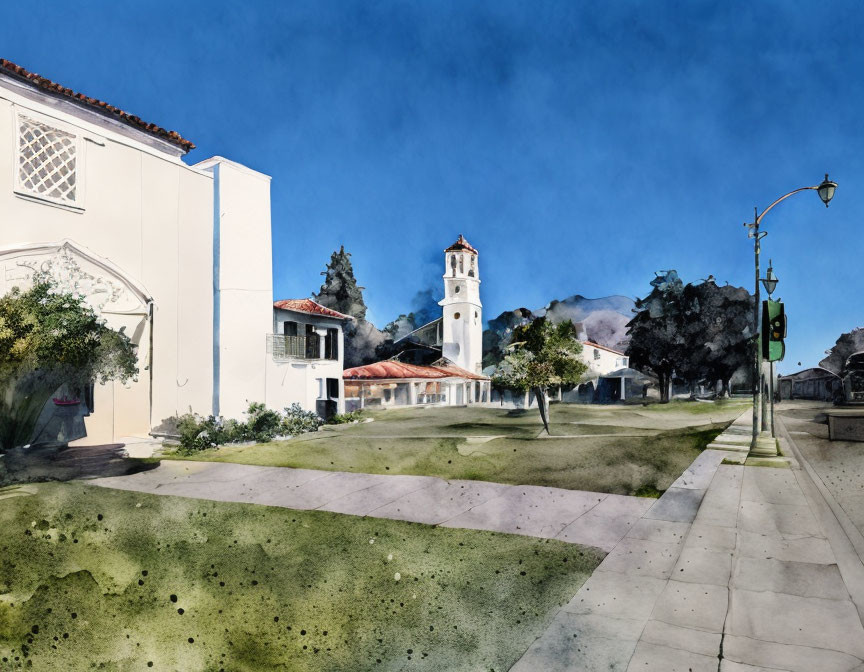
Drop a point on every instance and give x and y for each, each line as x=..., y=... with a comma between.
x=773, y=330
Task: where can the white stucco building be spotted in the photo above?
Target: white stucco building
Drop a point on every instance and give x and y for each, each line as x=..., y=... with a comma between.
x=306, y=357
x=179, y=255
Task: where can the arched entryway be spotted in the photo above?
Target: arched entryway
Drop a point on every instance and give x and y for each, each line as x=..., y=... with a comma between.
x=118, y=410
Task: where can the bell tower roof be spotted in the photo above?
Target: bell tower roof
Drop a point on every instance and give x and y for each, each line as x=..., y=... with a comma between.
x=461, y=244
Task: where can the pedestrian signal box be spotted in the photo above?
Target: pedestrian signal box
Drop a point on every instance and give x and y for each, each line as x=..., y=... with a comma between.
x=773, y=330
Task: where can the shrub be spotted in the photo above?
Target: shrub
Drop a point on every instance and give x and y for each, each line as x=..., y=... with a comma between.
x=298, y=421
x=344, y=418
x=262, y=425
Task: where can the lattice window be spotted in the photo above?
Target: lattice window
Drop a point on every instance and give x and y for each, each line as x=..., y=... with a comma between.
x=47, y=160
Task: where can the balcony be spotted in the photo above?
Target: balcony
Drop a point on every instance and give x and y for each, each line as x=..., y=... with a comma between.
x=294, y=347
x=308, y=347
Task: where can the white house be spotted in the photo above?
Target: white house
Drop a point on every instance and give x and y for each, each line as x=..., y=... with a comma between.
x=306, y=357
x=179, y=255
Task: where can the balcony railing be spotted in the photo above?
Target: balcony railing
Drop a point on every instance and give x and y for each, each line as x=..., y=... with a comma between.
x=294, y=347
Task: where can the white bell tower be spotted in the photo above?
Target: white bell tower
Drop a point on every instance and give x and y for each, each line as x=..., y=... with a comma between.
x=463, y=312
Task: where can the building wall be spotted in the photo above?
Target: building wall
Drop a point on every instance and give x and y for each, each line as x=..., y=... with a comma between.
x=601, y=361
x=244, y=289
x=150, y=216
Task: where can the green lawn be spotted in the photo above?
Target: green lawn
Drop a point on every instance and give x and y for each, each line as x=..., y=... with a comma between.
x=645, y=448
x=113, y=580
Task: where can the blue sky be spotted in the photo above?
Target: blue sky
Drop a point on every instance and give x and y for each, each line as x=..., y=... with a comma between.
x=579, y=146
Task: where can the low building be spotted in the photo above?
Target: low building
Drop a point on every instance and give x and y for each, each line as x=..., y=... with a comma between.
x=306, y=357
x=815, y=383
x=608, y=378
x=393, y=383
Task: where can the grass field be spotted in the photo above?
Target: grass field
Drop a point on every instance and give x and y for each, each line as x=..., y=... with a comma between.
x=112, y=580
x=630, y=450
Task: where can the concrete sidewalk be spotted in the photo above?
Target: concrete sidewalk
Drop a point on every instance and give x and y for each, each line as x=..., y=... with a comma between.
x=574, y=516
x=750, y=583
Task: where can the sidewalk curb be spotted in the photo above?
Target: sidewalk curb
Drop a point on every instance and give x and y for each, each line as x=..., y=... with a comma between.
x=845, y=539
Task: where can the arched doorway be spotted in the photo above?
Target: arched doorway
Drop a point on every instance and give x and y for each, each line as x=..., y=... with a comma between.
x=118, y=410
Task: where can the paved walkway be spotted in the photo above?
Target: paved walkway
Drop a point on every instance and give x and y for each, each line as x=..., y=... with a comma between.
x=590, y=518
x=744, y=581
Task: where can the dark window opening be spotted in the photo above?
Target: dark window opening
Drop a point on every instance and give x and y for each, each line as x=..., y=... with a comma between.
x=289, y=328
x=313, y=347
x=332, y=388
x=331, y=344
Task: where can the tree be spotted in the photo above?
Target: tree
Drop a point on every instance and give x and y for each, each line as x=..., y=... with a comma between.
x=543, y=355
x=49, y=339
x=655, y=331
x=726, y=317
x=340, y=291
x=847, y=344
x=695, y=332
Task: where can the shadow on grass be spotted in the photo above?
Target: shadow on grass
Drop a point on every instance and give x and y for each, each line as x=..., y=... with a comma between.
x=62, y=463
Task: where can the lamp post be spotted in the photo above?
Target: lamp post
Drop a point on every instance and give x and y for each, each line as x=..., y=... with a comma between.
x=826, y=193
x=769, y=282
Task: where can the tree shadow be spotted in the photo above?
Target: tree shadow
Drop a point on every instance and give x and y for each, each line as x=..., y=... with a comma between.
x=63, y=463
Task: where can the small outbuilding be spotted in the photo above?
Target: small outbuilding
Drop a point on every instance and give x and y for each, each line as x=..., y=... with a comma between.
x=393, y=383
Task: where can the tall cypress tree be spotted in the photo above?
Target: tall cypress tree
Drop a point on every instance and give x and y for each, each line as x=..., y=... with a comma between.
x=340, y=290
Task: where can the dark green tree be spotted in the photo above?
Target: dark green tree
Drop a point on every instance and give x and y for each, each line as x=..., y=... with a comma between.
x=49, y=340
x=542, y=355
x=340, y=291
x=694, y=332
x=656, y=338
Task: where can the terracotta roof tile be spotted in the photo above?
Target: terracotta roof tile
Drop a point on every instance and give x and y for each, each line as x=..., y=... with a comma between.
x=391, y=369
x=603, y=347
x=310, y=307
x=461, y=244
x=9, y=68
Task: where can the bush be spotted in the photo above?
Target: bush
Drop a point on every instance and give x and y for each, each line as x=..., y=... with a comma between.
x=262, y=425
x=298, y=421
x=345, y=418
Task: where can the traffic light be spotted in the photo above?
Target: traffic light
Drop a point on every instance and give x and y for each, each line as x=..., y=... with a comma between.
x=773, y=330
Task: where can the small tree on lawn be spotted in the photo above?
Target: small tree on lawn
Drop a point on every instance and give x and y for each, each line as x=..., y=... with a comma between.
x=543, y=355
x=48, y=339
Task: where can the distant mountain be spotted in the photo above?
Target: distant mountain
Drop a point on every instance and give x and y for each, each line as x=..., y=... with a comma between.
x=603, y=321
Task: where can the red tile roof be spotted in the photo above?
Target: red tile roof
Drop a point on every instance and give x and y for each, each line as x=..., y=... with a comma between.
x=391, y=369
x=603, y=347
x=310, y=307
x=461, y=244
x=39, y=82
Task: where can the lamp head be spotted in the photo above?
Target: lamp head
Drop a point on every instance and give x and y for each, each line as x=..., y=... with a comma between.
x=826, y=190
x=770, y=280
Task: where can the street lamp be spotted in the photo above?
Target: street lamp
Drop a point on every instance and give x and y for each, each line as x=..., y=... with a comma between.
x=826, y=193
x=769, y=282
x=826, y=190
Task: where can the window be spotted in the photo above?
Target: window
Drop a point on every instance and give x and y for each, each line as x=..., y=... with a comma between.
x=596, y=353
x=313, y=347
x=332, y=388
x=289, y=328
x=458, y=289
x=48, y=163
x=456, y=316
x=331, y=344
